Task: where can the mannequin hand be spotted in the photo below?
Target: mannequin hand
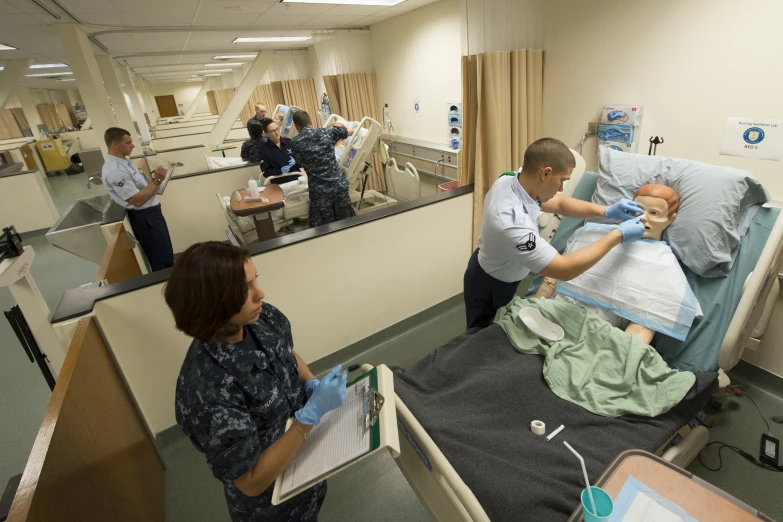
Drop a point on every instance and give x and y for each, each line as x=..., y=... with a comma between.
x=310, y=387
x=632, y=230
x=624, y=209
x=328, y=395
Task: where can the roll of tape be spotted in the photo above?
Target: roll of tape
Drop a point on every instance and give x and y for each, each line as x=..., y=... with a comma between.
x=538, y=427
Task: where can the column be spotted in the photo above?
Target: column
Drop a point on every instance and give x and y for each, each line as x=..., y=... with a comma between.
x=29, y=108
x=116, y=95
x=138, y=111
x=10, y=78
x=88, y=79
x=237, y=74
x=239, y=99
x=152, y=107
x=197, y=100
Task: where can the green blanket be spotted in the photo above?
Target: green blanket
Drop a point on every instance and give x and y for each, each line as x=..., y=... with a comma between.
x=597, y=366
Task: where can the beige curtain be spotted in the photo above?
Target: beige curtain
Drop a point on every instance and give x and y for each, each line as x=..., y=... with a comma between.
x=270, y=94
x=354, y=96
x=502, y=112
x=9, y=129
x=49, y=116
x=65, y=116
x=301, y=93
x=212, y=103
x=21, y=119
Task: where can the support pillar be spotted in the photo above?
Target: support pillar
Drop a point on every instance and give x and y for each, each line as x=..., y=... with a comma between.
x=88, y=79
x=116, y=96
x=138, y=111
x=197, y=100
x=10, y=78
x=29, y=109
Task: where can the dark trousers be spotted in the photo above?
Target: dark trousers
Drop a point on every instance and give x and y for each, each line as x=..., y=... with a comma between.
x=328, y=208
x=484, y=294
x=149, y=227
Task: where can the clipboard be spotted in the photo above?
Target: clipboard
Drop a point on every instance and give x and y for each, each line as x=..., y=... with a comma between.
x=378, y=423
x=165, y=181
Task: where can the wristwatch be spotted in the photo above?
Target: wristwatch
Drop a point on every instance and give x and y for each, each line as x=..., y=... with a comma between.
x=157, y=181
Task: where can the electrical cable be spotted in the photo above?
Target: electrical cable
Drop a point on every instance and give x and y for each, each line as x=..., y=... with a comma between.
x=743, y=393
x=744, y=454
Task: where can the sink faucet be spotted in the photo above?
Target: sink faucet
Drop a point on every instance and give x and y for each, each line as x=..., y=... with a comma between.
x=94, y=179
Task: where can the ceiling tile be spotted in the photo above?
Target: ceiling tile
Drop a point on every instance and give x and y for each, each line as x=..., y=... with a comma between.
x=225, y=18
x=30, y=30
x=330, y=22
x=16, y=20
x=159, y=19
x=357, y=10
x=299, y=9
x=372, y=19
x=6, y=8
x=154, y=6
x=282, y=20
x=219, y=7
x=26, y=6
x=100, y=18
x=88, y=6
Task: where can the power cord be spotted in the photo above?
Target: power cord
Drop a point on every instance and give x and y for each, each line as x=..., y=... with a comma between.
x=744, y=454
x=738, y=391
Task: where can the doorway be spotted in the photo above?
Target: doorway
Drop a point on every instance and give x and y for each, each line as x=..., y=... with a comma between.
x=167, y=106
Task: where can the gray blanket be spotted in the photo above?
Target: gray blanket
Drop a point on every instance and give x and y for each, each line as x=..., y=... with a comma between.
x=476, y=397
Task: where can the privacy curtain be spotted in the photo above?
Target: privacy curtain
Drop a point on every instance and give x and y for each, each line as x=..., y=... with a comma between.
x=270, y=94
x=502, y=112
x=354, y=96
x=212, y=102
x=301, y=93
x=9, y=128
x=65, y=115
x=21, y=119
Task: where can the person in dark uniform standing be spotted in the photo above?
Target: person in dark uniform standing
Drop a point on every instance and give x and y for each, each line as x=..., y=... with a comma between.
x=242, y=380
x=314, y=152
x=276, y=156
x=258, y=117
x=251, y=149
x=128, y=187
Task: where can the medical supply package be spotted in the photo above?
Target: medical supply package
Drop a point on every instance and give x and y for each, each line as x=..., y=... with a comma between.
x=641, y=281
x=615, y=133
x=622, y=115
x=618, y=146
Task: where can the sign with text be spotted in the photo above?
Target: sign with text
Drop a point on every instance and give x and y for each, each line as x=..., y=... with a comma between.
x=753, y=138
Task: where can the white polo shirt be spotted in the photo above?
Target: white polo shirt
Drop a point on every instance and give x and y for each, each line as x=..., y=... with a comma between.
x=123, y=180
x=509, y=245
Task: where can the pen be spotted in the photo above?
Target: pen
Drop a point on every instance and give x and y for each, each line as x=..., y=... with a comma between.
x=554, y=433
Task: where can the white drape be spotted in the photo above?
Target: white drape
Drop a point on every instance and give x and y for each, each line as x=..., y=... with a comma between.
x=343, y=52
x=501, y=25
x=288, y=65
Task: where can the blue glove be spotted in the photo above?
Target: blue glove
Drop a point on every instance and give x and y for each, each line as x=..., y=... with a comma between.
x=624, y=209
x=285, y=169
x=291, y=162
x=632, y=230
x=310, y=387
x=327, y=395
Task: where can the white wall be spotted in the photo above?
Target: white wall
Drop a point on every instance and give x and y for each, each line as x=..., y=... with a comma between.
x=184, y=93
x=417, y=57
x=690, y=64
x=383, y=283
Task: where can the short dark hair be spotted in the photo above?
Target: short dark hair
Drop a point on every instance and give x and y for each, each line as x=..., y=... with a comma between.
x=256, y=130
x=113, y=134
x=266, y=122
x=206, y=288
x=302, y=119
x=548, y=152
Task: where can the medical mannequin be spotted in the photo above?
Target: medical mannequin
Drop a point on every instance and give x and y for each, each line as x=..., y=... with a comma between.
x=660, y=204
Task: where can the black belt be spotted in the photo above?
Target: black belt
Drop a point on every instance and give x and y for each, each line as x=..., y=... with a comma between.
x=143, y=210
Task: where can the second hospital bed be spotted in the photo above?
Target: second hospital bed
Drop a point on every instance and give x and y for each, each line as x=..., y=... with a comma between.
x=464, y=411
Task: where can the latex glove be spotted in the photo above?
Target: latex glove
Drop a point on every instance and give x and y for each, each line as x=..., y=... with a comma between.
x=310, y=387
x=632, y=230
x=623, y=210
x=328, y=395
x=285, y=169
x=291, y=162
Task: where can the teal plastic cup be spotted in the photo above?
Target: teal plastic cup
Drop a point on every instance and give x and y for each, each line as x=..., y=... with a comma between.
x=603, y=505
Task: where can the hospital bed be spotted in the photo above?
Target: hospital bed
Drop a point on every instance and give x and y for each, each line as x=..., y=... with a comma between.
x=403, y=183
x=287, y=127
x=464, y=412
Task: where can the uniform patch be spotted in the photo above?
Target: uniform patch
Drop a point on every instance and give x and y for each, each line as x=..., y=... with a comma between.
x=529, y=244
x=121, y=183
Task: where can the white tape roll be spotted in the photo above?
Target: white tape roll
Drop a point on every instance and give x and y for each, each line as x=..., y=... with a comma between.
x=538, y=427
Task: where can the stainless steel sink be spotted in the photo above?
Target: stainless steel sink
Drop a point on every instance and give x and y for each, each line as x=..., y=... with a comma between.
x=79, y=230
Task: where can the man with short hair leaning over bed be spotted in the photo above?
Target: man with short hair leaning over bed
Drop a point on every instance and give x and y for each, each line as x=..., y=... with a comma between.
x=509, y=244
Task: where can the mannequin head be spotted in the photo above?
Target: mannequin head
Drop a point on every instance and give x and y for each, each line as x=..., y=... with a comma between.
x=660, y=204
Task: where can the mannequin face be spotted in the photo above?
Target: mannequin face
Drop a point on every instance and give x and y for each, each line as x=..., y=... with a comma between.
x=656, y=216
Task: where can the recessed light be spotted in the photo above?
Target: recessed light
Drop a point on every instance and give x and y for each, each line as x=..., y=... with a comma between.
x=224, y=64
x=272, y=39
x=7, y=48
x=48, y=74
x=47, y=65
x=233, y=56
x=216, y=71
x=385, y=3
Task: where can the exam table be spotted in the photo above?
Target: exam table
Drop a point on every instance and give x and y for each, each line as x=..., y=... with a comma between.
x=464, y=411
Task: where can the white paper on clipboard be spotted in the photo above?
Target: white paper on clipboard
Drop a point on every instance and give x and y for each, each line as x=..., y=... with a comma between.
x=165, y=181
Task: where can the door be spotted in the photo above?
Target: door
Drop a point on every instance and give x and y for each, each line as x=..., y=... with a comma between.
x=167, y=106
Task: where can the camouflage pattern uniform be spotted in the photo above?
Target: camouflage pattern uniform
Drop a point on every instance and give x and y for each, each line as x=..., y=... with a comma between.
x=251, y=149
x=253, y=120
x=313, y=150
x=233, y=402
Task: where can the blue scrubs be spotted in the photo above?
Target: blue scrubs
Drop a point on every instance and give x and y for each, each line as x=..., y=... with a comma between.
x=274, y=158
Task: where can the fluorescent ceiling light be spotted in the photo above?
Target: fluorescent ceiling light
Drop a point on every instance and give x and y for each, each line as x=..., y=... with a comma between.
x=48, y=74
x=385, y=3
x=67, y=80
x=216, y=71
x=224, y=64
x=265, y=39
x=195, y=80
x=233, y=56
x=7, y=48
x=47, y=65
x=211, y=75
